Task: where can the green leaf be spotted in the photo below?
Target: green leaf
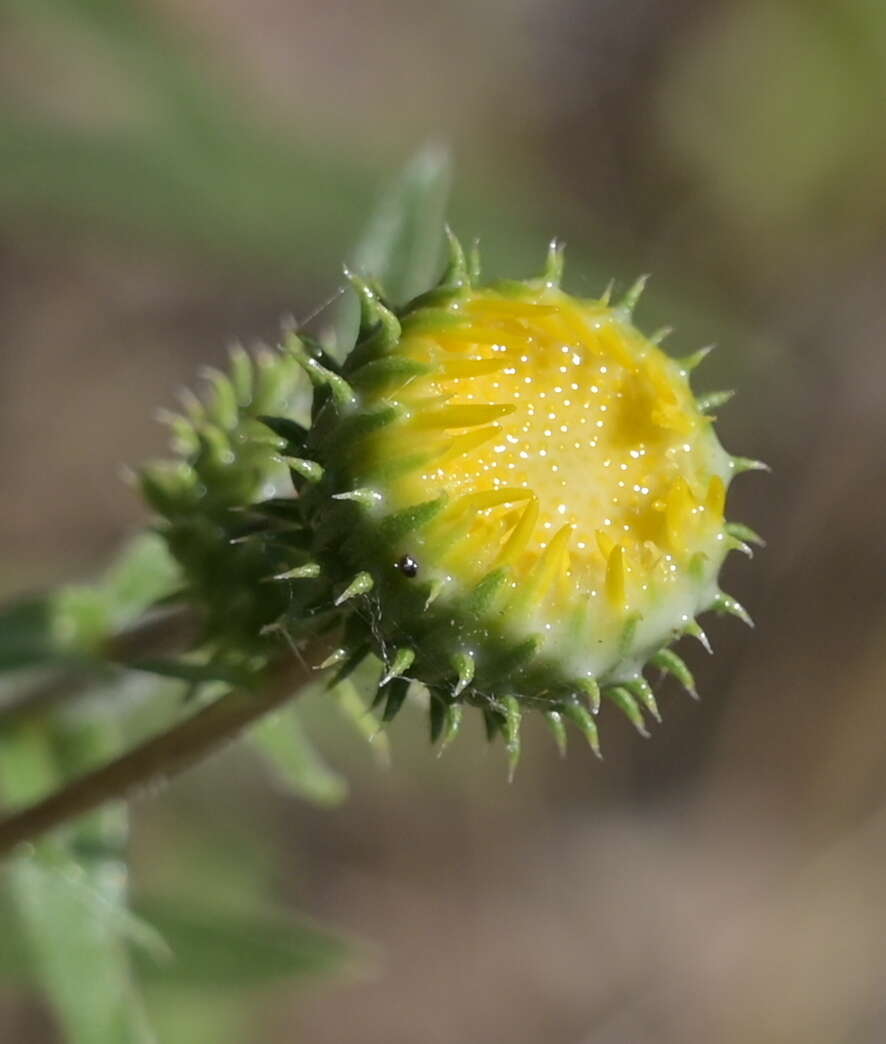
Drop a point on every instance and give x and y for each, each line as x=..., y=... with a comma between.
x=142, y=573
x=192, y=671
x=403, y=241
x=69, y=895
x=224, y=948
x=26, y=634
x=353, y=709
x=295, y=762
x=59, y=627
x=75, y=951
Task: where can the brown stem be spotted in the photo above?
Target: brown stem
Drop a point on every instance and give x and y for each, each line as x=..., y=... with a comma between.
x=162, y=756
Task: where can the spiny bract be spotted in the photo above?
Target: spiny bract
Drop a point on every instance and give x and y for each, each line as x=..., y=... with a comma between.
x=505, y=493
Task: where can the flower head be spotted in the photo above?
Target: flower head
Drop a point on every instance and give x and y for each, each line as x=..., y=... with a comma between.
x=507, y=494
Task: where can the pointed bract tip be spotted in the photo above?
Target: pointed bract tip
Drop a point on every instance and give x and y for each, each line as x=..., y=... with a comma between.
x=641, y=690
x=464, y=666
x=714, y=400
x=743, y=532
x=400, y=663
x=360, y=585
x=724, y=603
x=310, y=571
x=628, y=706
x=688, y=363
x=629, y=302
x=308, y=469
x=333, y=659
x=558, y=730
x=590, y=688
x=669, y=662
x=694, y=631
x=364, y=497
x=742, y=464
x=581, y=716
x=434, y=589
x=320, y=376
x=513, y=715
x=452, y=725
x=553, y=273
x=397, y=690
x=374, y=312
x=474, y=263
x=456, y=272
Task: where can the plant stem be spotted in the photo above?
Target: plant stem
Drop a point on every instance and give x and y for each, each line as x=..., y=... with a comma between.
x=161, y=757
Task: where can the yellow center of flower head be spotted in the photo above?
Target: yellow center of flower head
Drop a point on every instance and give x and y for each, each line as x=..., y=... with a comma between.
x=571, y=453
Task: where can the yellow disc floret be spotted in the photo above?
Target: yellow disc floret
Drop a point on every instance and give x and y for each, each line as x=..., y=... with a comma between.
x=571, y=451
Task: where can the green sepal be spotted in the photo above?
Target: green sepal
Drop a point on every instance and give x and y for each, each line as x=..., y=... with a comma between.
x=725, y=604
x=641, y=690
x=436, y=717
x=454, y=715
x=400, y=663
x=308, y=571
x=388, y=370
x=356, y=655
x=581, y=716
x=513, y=715
x=320, y=376
x=402, y=523
x=494, y=722
x=455, y=275
x=293, y=433
x=483, y=594
x=714, y=400
x=590, y=688
x=366, y=498
x=743, y=532
x=667, y=660
x=629, y=707
x=520, y=656
x=629, y=302
x=558, y=730
x=307, y=469
x=225, y=409
x=694, y=630
x=360, y=425
x=688, y=363
x=396, y=691
x=361, y=584
x=379, y=326
x=742, y=464
x=553, y=271
x=464, y=666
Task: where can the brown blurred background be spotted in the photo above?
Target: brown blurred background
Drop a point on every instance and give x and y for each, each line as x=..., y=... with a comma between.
x=175, y=174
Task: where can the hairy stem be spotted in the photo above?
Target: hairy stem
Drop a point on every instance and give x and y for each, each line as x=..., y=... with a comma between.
x=165, y=755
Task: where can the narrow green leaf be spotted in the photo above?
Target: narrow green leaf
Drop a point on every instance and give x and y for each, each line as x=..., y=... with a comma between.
x=71, y=909
x=221, y=947
x=357, y=714
x=293, y=759
x=403, y=241
x=26, y=634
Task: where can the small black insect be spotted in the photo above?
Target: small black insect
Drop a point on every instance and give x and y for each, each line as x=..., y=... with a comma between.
x=408, y=566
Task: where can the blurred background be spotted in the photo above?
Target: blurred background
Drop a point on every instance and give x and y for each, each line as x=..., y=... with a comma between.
x=178, y=174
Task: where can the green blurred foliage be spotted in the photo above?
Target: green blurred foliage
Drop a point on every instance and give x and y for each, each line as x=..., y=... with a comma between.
x=735, y=149
x=71, y=927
